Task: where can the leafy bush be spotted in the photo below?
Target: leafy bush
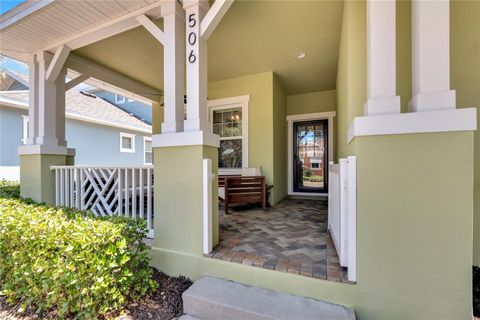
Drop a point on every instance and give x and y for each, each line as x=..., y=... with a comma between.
x=69, y=260
x=9, y=189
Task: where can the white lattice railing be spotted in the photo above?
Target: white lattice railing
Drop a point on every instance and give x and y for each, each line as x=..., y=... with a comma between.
x=107, y=190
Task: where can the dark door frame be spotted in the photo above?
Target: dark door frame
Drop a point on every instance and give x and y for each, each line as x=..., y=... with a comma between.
x=325, y=161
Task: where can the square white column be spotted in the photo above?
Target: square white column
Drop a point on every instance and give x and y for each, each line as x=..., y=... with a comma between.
x=381, y=59
x=431, y=56
x=196, y=62
x=174, y=67
x=48, y=104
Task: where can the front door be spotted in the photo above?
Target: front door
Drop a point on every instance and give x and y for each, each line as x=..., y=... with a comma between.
x=310, y=154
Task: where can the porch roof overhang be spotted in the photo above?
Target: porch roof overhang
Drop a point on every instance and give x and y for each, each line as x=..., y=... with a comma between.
x=122, y=56
x=48, y=25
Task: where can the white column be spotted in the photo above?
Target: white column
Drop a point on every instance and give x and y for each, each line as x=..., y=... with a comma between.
x=174, y=68
x=33, y=101
x=47, y=125
x=431, y=56
x=381, y=59
x=196, y=62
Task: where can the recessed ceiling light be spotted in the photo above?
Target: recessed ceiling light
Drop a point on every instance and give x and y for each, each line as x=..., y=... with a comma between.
x=300, y=55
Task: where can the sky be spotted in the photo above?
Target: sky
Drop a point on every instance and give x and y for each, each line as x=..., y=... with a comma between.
x=14, y=65
x=7, y=5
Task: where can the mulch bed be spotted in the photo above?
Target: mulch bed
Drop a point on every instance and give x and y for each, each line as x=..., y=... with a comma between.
x=163, y=304
x=476, y=292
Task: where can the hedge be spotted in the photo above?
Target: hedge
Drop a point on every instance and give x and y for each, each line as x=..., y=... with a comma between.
x=9, y=189
x=70, y=261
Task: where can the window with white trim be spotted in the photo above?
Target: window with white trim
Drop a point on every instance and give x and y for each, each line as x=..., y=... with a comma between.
x=119, y=99
x=127, y=142
x=25, y=129
x=147, y=150
x=230, y=122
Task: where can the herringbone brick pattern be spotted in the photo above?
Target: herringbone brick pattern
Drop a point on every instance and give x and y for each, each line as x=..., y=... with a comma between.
x=290, y=237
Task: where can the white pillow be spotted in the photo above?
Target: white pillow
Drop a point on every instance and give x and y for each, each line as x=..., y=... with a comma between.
x=251, y=172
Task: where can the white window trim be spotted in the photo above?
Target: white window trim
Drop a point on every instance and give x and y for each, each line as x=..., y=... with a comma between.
x=127, y=135
x=305, y=117
x=228, y=103
x=119, y=99
x=25, y=129
x=145, y=140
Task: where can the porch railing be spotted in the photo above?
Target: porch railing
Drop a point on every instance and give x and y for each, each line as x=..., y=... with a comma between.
x=342, y=212
x=107, y=190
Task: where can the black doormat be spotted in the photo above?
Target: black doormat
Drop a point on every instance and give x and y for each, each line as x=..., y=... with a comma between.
x=476, y=292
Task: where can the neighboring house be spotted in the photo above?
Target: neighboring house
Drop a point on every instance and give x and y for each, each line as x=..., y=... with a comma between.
x=387, y=90
x=101, y=133
x=140, y=110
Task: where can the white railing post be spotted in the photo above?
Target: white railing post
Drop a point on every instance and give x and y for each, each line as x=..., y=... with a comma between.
x=343, y=188
x=149, y=203
x=77, y=188
x=352, y=218
x=208, y=177
x=57, y=187
x=119, y=186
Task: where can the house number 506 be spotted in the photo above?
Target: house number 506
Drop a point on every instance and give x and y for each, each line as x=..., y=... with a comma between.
x=192, y=37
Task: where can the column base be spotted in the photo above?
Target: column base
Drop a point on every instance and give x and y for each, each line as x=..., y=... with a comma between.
x=45, y=149
x=430, y=101
x=37, y=181
x=172, y=126
x=384, y=105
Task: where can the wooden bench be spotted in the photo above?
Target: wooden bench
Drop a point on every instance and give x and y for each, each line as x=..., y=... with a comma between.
x=241, y=189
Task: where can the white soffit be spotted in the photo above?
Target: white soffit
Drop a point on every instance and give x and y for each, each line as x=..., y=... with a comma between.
x=46, y=24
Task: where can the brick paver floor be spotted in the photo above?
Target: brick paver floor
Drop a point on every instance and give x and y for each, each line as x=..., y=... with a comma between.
x=289, y=237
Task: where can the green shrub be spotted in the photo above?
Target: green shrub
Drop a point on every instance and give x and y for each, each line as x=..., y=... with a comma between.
x=9, y=189
x=68, y=260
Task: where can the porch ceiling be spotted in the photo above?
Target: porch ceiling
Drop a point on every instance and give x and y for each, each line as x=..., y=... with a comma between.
x=253, y=37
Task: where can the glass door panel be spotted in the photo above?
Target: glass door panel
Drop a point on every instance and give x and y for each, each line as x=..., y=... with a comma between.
x=310, y=156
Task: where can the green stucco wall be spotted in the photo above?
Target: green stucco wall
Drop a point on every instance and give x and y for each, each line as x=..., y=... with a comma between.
x=312, y=102
x=261, y=121
x=415, y=218
x=178, y=193
x=464, y=74
x=465, y=79
x=414, y=250
x=37, y=181
x=352, y=73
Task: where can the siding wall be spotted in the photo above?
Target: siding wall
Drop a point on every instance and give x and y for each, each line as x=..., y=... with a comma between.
x=11, y=133
x=94, y=144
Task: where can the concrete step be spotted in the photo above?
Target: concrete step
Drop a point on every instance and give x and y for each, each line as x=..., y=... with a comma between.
x=218, y=299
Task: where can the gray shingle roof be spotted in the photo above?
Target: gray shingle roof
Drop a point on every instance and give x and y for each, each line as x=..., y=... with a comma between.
x=88, y=106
